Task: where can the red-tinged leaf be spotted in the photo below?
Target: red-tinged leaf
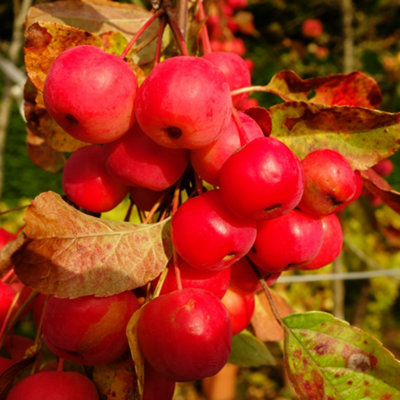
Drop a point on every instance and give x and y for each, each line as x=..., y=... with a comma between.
x=100, y=16
x=45, y=41
x=71, y=254
x=363, y=136
x=380, y=187
x=136, y=352
x=354, y=89
x=7, y=251
x=115, y=380
x=262, y=117
x=265, y=325
x=327, y=359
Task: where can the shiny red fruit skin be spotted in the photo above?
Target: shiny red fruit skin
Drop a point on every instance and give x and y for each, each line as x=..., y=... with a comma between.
x=136, y=160
x=263, y=180
x=91, y=94
x=185, y=335
x=184, y=102
x=329, y=182
x=289, y=241
x=207, y=236
x=208, y=160
x=235, y=70
x=89, y=330
x=88, y=184
x=332, y=242
x=54, y=385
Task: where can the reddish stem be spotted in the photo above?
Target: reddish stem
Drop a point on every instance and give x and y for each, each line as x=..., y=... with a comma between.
x=157, y=55
x=180, y=40
x=242, y=133
x=60, y=364
x=140, y=32
x=205, y=39
x=7, y=276
x=129, y=212
x=177, y=271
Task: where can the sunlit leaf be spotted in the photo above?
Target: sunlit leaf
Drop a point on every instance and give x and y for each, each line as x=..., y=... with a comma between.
x=249, y=351
x=327, y=359
x=354, y=89
x=363, y=136
x=8, y=250
x=71, y=254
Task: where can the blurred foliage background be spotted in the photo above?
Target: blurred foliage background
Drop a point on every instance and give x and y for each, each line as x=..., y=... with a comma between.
x=275, y=42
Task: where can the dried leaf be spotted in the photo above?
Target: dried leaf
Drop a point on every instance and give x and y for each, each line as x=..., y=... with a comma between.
x=327, y=359
x=378, y=186
x=7, y=251
x=354, y=89
x=98, y=17
x=71, y=254
x=249, y=351
x=265, y=325
x=115, y=380
x=363, y=136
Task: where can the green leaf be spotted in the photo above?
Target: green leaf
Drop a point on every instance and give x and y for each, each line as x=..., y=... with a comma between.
x=327, y=359
x=248, y=351
x=70, y=254
x=361, y=135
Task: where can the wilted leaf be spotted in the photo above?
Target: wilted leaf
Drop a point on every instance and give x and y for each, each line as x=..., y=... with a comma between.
x=327, y=359
x=249, y=351
x=71, y=254
x=363, y=136
x=45, y=41
x=97, y=17
x=265, y=325
x=136, y=353
x=354, y=89
x=7, y=251
x=378, y=186
x=115, y=380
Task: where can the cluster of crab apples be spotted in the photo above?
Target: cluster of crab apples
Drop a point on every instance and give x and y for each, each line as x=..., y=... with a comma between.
x=261, y=206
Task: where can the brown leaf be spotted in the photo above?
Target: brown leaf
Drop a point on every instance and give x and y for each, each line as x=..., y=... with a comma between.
x=265, y=325
x=115, y=380
x=45, y=41
x=71, y=254
x=97, y=17
x=7, y=251
x=380, y=187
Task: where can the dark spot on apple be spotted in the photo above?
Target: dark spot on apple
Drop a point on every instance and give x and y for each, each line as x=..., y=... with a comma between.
x=229, y=256
x=274, y=207
x=71, y=119
x=174, y=132
x=334, y=200
x=253, y=249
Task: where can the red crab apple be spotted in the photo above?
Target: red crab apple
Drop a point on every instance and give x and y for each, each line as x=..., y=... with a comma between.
x=156, y=386
x=89, y=330
x=184, y=102
x=332, y=241
x=312, y=28
x=208, y=160
x=185, y=335
x=262, y=180
x=329, y=182
x=6, y=237
x=288, y=241
x=88, y=184
x=54, y=385
x=207, y=236
x=91, y=94
x=235, y=70
x=136, y=160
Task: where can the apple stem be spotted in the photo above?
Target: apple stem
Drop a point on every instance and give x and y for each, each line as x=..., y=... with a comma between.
x=153, y=209
x=140, y=32
x=178, y=35
x=129, y=212
x=242, y=133
x=8, y=275
x=60, y=365
x=40, y=324
x=258, y=88
x=177, y=271
x=205, y=39
x=157, y=56
x=199, y=184
x=14, y=209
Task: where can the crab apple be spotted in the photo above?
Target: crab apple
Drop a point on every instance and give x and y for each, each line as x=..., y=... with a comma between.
x=240, y=306
x=185, y=335
x=7, y=294
x=208, y=160
x=262, y=180
x=6, y=237
x=288, y=241
x=54, y=385
x=88, y=184
x=384, y=167
x=332, y=241
x=329, y=181
x=89, y=330
x=215, y=282
x=16, y=346
x=312, y=28
x=185, y=102
x=5, y=363
x=235, y=70
x=207, y=236
x=91, y=94
x=136, y=160
x=156, y=386
x=145, y=198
